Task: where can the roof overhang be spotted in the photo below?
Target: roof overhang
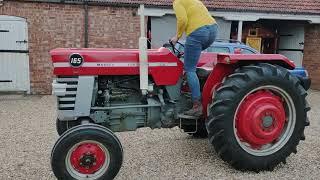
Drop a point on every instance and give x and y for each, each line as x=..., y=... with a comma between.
x=241, y=16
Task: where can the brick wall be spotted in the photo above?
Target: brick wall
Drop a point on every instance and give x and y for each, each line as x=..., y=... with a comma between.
x=312, y=54
x=62, y=25
x=113, y=27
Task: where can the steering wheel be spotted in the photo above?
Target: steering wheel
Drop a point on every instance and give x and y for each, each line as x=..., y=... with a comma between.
x=175, y=50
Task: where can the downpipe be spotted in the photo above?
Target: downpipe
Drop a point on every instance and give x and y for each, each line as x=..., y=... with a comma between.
x=86, y=25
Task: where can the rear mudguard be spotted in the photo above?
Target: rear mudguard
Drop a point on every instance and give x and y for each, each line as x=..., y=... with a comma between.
x=227, y=63
x=244, y=59
x=213, y=82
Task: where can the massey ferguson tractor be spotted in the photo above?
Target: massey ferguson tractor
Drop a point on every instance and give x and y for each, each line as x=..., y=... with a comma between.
x=255, y=111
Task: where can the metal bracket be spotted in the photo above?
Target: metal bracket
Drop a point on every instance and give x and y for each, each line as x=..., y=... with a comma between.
x=160, y=96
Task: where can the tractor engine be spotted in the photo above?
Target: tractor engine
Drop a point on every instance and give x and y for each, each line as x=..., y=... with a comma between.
x=117, y=102
x=117, y=90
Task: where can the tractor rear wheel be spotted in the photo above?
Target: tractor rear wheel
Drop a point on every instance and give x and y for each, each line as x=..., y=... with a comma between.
x=87, y=152
x=257, y=117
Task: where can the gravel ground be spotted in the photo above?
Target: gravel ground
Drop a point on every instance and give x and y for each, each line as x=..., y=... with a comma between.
x=27, y=132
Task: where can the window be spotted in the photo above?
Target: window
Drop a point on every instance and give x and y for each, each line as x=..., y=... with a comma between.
x=218, y=49
x=247, y=51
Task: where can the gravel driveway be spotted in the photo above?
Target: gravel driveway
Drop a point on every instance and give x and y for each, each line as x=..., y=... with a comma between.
x=27, y=132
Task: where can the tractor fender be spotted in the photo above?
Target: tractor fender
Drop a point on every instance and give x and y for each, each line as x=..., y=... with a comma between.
x=213, y=82
x=245, y=59
x=226, y=65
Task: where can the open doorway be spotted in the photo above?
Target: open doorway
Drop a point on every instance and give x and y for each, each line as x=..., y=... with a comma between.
x=274, y=37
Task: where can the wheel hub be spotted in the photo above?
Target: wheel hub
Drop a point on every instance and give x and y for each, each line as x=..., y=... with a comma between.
x=87, y=158
x=260, y=119
x=267, y=121
x=87, y=161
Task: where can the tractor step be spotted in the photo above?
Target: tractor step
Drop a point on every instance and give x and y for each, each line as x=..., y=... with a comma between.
x=183, y=116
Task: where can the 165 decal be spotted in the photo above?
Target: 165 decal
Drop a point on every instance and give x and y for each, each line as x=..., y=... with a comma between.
x=76, y=60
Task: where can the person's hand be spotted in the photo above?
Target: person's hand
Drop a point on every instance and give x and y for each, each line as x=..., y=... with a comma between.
x=174, y=40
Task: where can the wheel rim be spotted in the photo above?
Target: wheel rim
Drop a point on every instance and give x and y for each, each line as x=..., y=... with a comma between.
x=264, y=120
x=87, y=160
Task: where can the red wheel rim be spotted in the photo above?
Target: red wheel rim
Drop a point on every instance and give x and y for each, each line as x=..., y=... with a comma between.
x=88, y=158
x=260, y=119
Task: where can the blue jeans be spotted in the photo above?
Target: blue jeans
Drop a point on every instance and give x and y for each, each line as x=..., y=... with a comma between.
x=196, y=42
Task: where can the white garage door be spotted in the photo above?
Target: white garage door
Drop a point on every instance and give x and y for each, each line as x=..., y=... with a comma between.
x=14, y=58
x=291, y=42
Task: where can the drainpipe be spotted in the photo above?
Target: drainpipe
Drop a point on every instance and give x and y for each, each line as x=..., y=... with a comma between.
x=240, y=24
x=86, y=23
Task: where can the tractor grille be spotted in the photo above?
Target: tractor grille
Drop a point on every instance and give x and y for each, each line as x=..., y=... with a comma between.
x=67, y=102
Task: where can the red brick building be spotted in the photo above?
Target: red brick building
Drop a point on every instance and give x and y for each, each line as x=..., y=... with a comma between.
x=100, y=23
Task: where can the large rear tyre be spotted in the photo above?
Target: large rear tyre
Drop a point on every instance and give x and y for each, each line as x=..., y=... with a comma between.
x=90, y=152
x=257, y=117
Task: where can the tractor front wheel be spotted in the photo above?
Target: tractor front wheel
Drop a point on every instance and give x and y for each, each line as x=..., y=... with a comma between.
x=257, y=117
x=63, y=126
x=87, y=152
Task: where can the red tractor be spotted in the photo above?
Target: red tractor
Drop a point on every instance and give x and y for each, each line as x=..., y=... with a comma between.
x=255, y=111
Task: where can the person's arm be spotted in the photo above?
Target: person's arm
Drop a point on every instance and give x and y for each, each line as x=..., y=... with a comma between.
x=182, y=18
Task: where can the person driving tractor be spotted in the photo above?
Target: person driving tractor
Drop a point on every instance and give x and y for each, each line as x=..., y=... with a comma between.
x=201, y=29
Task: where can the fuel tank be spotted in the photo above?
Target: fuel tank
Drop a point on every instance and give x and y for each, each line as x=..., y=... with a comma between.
x=164, y=67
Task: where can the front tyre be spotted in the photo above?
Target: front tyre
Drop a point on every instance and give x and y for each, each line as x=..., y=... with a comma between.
x=257, y=117
x=89, y=152
x=63, y=126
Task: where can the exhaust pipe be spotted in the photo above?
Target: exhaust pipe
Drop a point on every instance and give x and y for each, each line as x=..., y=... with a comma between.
x=143, y=56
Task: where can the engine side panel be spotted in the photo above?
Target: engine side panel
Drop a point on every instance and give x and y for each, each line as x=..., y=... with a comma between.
x=164, y=67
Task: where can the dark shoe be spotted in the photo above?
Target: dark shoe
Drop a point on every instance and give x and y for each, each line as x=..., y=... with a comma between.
x=196, y=110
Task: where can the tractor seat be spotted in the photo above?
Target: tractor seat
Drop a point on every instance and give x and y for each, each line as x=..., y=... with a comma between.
x=204, y=72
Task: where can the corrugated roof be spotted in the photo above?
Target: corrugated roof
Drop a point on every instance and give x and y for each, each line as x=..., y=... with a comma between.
x=271, y=6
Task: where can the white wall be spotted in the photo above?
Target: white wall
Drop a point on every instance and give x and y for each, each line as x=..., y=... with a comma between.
x=163, y=28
